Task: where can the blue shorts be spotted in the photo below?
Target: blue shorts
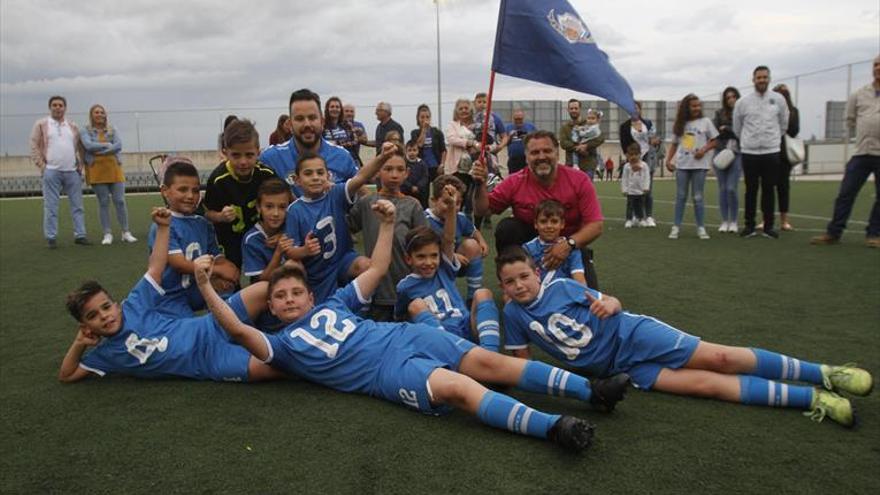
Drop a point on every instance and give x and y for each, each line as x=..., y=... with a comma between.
x=411, y=359
x=325, y=282
x=648, y=346
x=225, y=360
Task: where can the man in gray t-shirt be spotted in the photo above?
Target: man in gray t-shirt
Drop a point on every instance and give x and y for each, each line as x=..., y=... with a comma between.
x=759, y=119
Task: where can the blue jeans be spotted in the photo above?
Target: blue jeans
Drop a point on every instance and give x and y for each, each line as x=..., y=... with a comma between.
x=858, y=169
x=728, y=184
x=104, y=192
x=696, y=178
x=56, y=182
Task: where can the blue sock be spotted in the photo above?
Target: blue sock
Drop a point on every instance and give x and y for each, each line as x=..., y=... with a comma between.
x=487, y=325
x=474, y=274
x=780, y=367
x=505, y=412
x=427, y=318
x=541, y=378
x=759, y=391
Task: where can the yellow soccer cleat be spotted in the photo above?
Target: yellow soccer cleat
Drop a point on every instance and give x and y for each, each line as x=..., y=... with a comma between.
x=847, y=378
x=828, y=404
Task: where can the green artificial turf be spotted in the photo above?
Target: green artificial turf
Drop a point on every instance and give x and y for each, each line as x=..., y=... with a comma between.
x=120, y=435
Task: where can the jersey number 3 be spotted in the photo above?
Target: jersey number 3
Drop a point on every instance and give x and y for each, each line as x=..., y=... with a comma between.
x=330, y=329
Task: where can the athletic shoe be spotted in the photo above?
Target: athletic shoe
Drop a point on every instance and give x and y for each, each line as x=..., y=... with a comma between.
x=770, y=234
x=628, y=224
x=107, y=240
x=828, y=404
x=748, y=232
x=824, y=239
x=572, y=433
x=760, y=226
x=847, y=378
x=872, y=241
x=723, y=227
x=732, y=228
x=82, y=241
x=52, y=243
x=643, y=223
x=673, y=232
x=650, y=221
x=702, y=234
x=127, y=237
x=607, y=392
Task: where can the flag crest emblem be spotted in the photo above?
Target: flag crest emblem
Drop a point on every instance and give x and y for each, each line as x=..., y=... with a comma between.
x=570, y=26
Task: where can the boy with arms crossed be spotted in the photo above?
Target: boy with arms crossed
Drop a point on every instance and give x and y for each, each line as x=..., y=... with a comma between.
x=135, y=339
x=590, y=331
x=411, y=364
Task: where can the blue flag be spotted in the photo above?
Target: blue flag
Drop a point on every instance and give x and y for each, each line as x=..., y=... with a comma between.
x=548, y=42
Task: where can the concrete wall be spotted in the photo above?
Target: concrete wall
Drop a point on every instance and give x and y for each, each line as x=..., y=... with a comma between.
x=21, y=166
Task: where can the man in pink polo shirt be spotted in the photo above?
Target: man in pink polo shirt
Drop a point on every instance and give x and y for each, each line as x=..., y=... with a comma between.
x=543, y=179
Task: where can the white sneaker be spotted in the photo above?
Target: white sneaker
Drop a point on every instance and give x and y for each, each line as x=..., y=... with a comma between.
x=127, y=237
x=628, y=224
x=724, y=227
x=107, y=240
x=650, y=222
x=702, y=234
x=673, y=233
x=642, y=223
x=732, y=227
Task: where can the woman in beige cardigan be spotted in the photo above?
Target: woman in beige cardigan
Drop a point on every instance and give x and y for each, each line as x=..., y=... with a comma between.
x=460, y=139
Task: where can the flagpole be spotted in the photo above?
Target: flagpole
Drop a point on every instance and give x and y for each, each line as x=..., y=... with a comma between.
x=486, y=119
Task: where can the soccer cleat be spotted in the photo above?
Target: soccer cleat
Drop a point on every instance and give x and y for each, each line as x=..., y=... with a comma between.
x=628, y=224
x=748, y=232
x=702, y=234
x=107, y=240
x=673, y=232
x=824, y=239
x=828, y=404
x=607, y=392
x=847, y=378
x=770, y=233
x=127, y=237
x=573, y=434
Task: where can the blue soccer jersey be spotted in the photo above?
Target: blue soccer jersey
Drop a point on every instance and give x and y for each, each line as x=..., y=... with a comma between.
x=256, y=255
x=282, y=159
x=464, y=228
x=191, y=236
x=334, y=347
x=150, y=344
x=325, y=216
x=559, y=321
x=440, y=294
x=573, y=264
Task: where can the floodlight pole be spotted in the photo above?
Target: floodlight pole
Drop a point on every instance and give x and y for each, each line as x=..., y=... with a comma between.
x=439, y=100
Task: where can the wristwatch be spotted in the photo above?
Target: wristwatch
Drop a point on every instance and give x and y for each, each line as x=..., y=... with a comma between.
x=570, y=242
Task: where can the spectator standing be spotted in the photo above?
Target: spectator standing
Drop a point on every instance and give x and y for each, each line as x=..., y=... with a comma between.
x=430, y=140
x=496, y=135
x=689, y=157
x=460, y=138
x=635, y=184
x=517, y=131
x=336, y=129
x=358, y=131
x=565, y=141
x=863, y=115
x=783, y=185
x=386, y=123
x=542, y=179
x=641, y=130
x=56, y=152
x=759, y=120
x=282, y=133
x=103, y=147
x=587, y=139
x=728, y=178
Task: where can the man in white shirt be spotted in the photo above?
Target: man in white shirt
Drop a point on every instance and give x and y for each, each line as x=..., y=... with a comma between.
x=55, y=150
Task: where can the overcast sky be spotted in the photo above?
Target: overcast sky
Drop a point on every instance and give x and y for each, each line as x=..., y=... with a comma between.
x=170, y=55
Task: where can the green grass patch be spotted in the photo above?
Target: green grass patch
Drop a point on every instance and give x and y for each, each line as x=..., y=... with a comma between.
x=120, y=435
